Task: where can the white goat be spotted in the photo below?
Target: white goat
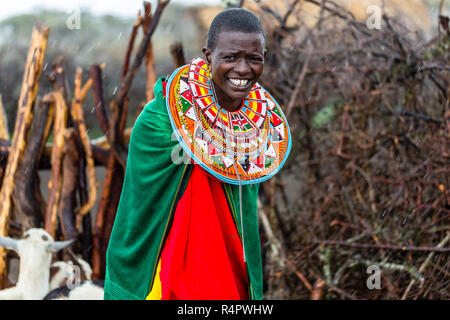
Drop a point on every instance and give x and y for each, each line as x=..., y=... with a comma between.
x=35, y=251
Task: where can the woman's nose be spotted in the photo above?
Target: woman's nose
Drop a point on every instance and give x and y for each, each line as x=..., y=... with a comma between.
x=242, y=67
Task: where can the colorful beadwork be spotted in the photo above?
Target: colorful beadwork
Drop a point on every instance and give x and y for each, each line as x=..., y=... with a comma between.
x=254, y=140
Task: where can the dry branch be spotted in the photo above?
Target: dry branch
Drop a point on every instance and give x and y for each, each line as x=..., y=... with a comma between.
x=54, y=185
x=149, y=57
x=58, y=78
x=382, y=246
x=99, y=102
x=77, y=116
x=4, y=132
x=28, y=200
x=30, y=83
x=370, y=120
x=425, y=264
x=71, y=166
x=100, y=152
x=177, y=52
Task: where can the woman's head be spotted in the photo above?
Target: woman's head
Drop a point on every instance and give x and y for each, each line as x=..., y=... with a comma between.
x=235, y=53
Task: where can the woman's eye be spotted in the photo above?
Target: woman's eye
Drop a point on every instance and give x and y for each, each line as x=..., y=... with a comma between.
x=230, y=57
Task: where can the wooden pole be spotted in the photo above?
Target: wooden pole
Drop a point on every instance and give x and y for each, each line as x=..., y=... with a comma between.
x=54, y=185
x=149, y=57
x=30, y=84
x=97, y=94
x=177, y=52
x=100, y=152
x=71, y=164
x=77, y=116
x=29, y=202
x=4, y=133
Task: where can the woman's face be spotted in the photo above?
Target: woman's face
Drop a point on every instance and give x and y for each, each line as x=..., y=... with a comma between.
x=236, y=64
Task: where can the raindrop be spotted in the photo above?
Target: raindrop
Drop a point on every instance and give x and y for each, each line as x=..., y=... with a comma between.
x=384, y=213
x=115, y=89
x=93, y=108
x=404, y=220
x=119, y=36
x=45, y=67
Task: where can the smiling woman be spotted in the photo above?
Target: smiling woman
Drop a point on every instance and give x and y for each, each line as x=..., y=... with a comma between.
x=186, y=227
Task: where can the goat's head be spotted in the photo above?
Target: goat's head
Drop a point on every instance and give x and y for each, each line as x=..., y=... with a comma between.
x=35, y=239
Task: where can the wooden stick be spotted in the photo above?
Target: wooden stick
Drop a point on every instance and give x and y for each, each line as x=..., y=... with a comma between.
x=29, y=202
x=54, y=185
x=318, y=289
x=58, y=78
x=425, y=264
x=99, y=102
x=299, y=275
x=383, y=246
x=134, y=31
x=77, y=116
x=4, y=133
x=97, y=240
x=149, y=57
x=30, y=84
x=99, y=153
x=177, y=52
x=114, y=197
x=71, y=164
x=86, y=236
x=298, y=86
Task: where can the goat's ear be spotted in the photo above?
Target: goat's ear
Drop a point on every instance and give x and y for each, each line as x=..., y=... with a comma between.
x=58, y=245
x=9, y=243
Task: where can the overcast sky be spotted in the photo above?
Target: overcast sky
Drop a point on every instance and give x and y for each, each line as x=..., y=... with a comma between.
x=119, y=7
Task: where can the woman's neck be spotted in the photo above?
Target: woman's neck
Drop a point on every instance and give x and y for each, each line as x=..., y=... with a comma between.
x=224, y=101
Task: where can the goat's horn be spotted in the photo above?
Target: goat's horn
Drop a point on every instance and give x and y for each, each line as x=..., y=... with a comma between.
x=58, y=245
x=9, y=243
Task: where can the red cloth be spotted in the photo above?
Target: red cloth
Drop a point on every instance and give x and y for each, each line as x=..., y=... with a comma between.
x=202, y=258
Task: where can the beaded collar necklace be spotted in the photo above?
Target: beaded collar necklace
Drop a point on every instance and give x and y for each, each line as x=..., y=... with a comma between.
x=245, y=146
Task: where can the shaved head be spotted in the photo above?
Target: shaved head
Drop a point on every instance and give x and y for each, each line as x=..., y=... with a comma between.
x=235, y=19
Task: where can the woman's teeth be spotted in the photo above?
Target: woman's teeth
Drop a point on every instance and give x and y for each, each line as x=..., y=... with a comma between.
x=239, y=82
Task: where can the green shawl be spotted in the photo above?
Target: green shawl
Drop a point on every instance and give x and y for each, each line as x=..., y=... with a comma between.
x=152, y=186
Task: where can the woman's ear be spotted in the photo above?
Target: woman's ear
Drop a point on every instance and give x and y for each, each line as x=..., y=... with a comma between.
x=207, y=54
